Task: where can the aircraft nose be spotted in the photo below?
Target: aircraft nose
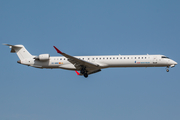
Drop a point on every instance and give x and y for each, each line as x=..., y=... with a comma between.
x=174, y=62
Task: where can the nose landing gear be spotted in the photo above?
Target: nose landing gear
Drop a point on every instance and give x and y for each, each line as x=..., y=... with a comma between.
x=167, y=70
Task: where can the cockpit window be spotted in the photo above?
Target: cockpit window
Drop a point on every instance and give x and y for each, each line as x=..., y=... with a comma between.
x=165, y=57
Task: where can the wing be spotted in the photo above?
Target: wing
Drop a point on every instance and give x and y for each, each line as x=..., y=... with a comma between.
x=79, y=64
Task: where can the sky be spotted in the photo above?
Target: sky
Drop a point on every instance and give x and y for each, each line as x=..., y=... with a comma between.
x=95, y=27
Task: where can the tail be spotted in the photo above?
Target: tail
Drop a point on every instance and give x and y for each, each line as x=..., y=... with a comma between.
x=20, y=50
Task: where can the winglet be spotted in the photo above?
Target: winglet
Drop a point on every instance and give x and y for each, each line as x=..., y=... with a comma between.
x=58, y=51
x=77, y=73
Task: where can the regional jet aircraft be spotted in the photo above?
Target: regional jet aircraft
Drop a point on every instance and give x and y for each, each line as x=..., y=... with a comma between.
x=89, y=64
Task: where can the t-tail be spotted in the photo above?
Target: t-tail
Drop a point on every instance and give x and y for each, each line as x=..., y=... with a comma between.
x=20, y=50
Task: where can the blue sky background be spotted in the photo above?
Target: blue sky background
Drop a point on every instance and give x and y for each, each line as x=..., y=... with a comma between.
x=90, y=28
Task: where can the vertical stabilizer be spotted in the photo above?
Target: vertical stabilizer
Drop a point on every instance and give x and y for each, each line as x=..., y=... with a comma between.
x=20, y=50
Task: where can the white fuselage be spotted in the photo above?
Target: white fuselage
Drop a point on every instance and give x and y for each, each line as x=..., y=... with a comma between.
x=89, y=64
x=104, y=61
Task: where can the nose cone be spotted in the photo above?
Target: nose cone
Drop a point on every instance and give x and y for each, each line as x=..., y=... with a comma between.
x=173, y=62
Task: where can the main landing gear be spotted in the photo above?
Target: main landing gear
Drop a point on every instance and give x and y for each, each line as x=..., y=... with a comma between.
x=84, y=72
x=85, y=75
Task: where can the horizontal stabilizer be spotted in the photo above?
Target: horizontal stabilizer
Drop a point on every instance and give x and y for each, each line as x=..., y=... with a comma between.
x=20, y=50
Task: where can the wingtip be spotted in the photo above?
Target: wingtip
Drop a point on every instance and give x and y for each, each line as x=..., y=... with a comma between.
x=58, y=51
x=77, y=72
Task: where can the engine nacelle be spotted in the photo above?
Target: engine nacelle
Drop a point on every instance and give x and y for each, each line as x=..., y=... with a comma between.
x=42, y=57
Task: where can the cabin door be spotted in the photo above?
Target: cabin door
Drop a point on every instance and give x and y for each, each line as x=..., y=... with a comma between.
x=155, y=60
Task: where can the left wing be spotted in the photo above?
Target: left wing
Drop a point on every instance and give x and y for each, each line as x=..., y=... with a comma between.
x=80, y=64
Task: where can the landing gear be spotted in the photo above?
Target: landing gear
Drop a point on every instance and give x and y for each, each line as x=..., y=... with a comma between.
x=84, y=72
x=167, y=70
x=85, y=75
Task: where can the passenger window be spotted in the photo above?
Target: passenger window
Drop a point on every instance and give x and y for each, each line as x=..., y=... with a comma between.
x=120, y=57
x=103, y=58
x=117, y=57
x=134, y=57
x=93, y=58
x=100, y=58
x=124, y=57
x=113, y=58
x=88, y=58
x=138, y=57
x=96, y=58
x=107, y=58
x=142, y=57
x=145, y=57
x=127, y=57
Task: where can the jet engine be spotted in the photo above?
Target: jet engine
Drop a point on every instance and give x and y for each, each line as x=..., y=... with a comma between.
x=42, y=57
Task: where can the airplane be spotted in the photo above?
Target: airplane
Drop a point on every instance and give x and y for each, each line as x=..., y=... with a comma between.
x=89, y=64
